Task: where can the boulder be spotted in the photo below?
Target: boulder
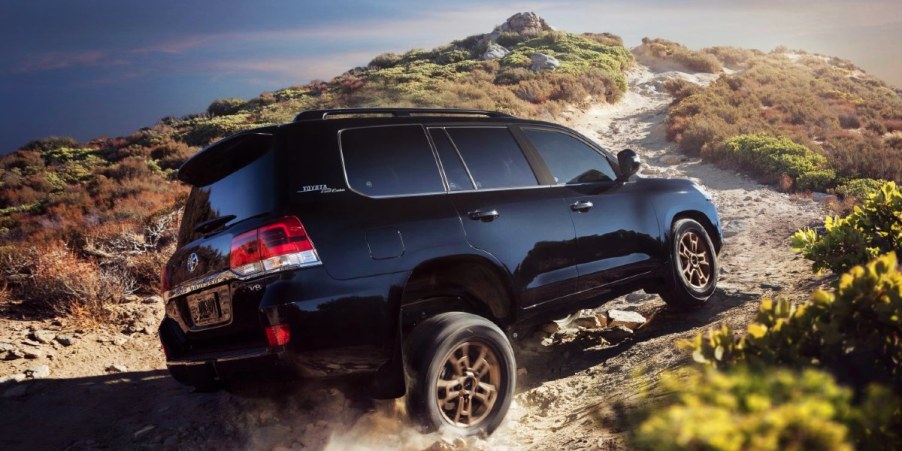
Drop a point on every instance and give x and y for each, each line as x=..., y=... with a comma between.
x=541, y=62
x=42, y=336
x=630, y=320
x=522, y=23
x=65, y=340
x=39, y=372
x=585, y=318
x=494, y=52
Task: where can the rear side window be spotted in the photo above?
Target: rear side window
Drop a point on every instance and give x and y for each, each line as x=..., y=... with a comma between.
x=493, y=157
x=455, y=172
x=390, y=161
x=569, y=159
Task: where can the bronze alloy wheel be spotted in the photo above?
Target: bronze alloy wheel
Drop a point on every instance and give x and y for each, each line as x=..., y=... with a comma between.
x=694, y=260
x=467, y=386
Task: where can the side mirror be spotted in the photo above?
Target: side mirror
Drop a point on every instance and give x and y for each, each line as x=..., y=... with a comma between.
x=629, y=163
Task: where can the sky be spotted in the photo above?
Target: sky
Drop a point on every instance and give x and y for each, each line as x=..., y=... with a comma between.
x=94, y=68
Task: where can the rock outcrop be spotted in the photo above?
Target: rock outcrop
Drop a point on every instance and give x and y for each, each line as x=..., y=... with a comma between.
x=541, y=62
x=494, y=51
x=523, y=23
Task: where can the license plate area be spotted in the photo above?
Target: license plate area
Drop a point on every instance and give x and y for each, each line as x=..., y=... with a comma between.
x=211, y=307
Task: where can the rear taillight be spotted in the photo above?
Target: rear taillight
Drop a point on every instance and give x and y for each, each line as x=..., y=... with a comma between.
x=282, y=243
x=164, y=279
x=278, y=335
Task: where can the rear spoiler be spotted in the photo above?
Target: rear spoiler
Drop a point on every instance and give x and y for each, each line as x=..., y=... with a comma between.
x=224, y=157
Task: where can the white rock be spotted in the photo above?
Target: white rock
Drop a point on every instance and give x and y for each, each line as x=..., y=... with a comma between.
x=43, y=336
x=19, y=377
x=541, y=61
x=585, y=318
x=494, y=51
x=117, y=368
x=630, y=320
x=39, y=372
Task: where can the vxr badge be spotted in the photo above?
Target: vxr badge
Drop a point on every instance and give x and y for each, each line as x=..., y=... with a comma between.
x=192, y=262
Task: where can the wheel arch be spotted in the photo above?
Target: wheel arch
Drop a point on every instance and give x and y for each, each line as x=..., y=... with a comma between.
x=703, y=219
x=468, y=283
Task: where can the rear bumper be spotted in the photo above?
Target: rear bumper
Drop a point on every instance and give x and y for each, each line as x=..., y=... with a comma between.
x=204, y=369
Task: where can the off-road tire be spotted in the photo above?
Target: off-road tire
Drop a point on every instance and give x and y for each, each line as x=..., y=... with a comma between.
x=694, y=267
x=476, y=389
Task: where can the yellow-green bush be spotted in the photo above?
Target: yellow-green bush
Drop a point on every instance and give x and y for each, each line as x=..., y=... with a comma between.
x=742, y=409
x=762, y=386
x=770, y=156
x=855, y=330
x=872, y=228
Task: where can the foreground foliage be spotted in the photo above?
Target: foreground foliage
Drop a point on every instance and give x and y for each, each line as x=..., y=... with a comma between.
x=762, y=390
x=873, y=228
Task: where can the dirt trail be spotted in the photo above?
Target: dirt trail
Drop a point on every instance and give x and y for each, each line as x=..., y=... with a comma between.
x=570, y=385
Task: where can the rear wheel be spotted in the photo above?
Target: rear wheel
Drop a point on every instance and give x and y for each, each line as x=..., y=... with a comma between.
x=460, y=374
x=694, y=266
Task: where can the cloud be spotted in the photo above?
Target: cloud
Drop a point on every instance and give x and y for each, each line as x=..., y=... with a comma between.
x=60, y=60
x=282, y=69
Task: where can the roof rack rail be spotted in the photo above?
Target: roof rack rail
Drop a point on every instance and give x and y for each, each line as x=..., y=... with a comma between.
x=395, y=112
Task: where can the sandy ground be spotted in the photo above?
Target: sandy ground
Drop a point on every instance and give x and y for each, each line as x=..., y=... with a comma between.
x=108, y=388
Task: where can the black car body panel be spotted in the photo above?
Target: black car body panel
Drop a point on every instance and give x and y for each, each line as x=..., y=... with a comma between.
x=504, y=221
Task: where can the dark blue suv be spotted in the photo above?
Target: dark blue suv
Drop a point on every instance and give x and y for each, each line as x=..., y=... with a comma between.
x=409, y=243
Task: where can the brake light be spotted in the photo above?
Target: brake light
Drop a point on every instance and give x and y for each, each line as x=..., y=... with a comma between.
x=164, y=279
x=282, y=243
x=278, y=335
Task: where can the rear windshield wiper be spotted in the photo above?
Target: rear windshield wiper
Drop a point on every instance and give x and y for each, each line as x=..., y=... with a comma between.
x=213, y=224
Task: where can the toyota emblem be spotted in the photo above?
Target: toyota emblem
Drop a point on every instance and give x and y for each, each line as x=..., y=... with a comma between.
x=192, y=262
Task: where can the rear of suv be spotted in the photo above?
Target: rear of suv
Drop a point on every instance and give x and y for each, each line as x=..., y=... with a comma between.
x=410, y=243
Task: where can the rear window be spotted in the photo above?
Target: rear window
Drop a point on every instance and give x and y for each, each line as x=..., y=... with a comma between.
x=493, y=157
x=247, y=191
x=390, y=161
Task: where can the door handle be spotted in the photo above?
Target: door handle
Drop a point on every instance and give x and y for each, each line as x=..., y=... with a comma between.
x=581, y=206
x=484, y=216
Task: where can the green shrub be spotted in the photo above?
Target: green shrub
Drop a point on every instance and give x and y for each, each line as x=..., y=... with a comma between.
x=385, y=60
x=859, y=188
x=225, y=107
x=819, y=180
x=855, y=330
x=873, y=228
x=745, y=409
x=770, y=156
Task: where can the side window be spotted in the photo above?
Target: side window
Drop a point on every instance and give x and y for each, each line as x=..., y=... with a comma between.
x=390, y=161
x=458, y=179
x=569, y=159
x=493, y=157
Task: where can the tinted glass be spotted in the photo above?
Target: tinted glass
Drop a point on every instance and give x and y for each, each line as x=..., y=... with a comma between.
x=569, y=159
x=390, y=161
x=457, y=176
x=245, y=192
x=493, y=157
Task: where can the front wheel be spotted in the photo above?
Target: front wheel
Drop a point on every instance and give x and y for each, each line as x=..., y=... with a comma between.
x=694, y=266
x=460, y=374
